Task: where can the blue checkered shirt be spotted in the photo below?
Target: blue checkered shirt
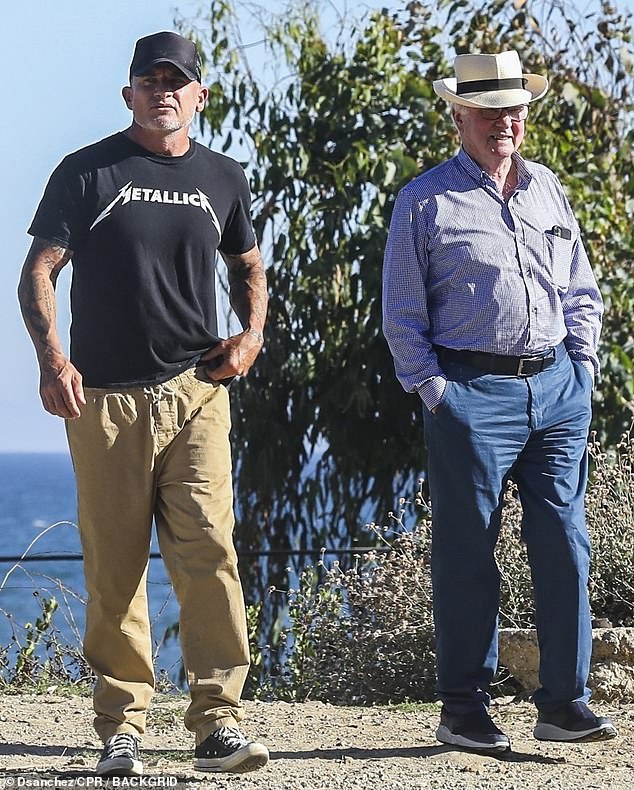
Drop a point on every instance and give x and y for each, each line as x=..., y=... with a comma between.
x=467, y=270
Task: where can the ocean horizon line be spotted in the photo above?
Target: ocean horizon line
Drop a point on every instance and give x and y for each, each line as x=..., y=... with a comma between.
x=35, y=452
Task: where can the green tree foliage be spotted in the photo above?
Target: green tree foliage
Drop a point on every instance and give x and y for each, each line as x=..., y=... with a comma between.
x=322, y=428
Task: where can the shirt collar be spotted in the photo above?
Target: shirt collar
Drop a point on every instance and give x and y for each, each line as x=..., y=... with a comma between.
x=473, y=169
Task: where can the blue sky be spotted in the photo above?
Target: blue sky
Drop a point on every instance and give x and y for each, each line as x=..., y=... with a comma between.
x=67, y=61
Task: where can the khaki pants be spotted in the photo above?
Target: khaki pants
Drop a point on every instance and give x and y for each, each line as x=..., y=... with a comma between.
x=159, y=453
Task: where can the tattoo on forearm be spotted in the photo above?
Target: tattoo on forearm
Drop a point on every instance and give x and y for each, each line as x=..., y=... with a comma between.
x=247, y=287
x=36, y=292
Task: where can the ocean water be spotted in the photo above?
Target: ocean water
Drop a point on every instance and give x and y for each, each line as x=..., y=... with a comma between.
x=38, y=510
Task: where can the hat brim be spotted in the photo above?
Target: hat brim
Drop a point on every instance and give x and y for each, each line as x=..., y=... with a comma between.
x=535, y=87
x=149, y=66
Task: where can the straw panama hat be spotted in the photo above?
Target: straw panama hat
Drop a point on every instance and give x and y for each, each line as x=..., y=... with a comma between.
x=490, y=81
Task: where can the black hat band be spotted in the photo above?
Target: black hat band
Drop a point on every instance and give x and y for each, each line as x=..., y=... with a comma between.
x=477, y=86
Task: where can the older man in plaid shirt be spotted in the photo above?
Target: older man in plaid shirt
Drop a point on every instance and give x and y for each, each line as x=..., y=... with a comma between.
x=493, y=316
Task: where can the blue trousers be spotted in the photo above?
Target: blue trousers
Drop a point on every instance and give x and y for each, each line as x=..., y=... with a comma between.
x=487, y=429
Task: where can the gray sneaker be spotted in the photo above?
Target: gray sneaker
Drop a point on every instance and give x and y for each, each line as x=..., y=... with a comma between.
x=226, y=749
x=120, y=756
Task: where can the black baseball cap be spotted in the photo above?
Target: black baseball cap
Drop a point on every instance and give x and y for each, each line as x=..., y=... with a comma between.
x=166, y=48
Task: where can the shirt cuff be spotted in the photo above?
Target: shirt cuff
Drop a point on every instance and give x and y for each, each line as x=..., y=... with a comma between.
x=432, y=390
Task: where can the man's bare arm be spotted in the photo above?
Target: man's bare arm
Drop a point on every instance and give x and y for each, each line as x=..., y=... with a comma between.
x=247, y=288
x=61, y=388
x=249, y=298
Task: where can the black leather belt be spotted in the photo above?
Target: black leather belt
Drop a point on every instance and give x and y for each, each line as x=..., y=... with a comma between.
x=527, y=365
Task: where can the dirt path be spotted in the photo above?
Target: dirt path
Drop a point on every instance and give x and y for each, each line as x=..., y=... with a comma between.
x=47, y=741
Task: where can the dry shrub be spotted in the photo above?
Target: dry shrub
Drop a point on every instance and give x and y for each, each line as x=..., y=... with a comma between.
x=610, y=514
x=365, y=635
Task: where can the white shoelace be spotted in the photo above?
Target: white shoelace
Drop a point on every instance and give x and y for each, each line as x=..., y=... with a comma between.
x=230, y=737
x=123, y=744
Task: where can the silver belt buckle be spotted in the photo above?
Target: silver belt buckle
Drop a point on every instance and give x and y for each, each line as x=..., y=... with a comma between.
x=520, y=367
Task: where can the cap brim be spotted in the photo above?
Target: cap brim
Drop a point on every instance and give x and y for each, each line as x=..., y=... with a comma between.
x=141, y=70
x=536, y=87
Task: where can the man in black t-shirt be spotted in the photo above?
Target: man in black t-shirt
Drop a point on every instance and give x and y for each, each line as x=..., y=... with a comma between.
x=142, y=215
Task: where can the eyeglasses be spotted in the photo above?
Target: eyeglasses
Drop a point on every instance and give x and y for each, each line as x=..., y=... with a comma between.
x=519, y=113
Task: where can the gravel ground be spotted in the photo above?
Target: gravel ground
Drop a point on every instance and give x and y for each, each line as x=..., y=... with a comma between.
x=47, y=741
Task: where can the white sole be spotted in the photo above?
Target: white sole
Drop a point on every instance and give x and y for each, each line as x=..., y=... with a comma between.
x=549, y=732
x=444, y=735
x=120, y=766
x=249, y=758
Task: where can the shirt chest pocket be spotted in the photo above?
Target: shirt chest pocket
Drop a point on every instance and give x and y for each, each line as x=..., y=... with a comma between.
x=558, y=256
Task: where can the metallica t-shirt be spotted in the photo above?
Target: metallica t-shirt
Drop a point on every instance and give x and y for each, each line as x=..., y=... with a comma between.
x=143, y=230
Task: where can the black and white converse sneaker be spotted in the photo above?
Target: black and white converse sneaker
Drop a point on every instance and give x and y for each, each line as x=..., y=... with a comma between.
x=120, y=756
x=227, y=749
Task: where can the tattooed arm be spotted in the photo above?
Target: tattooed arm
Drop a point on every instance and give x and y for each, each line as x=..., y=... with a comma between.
x=61, y=388
x=248, y=296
